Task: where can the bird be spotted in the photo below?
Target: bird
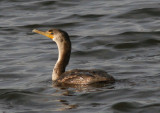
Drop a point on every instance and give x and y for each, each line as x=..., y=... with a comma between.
x=75, y=76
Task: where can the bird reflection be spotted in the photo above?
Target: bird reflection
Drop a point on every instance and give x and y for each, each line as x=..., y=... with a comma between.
x=67, y=91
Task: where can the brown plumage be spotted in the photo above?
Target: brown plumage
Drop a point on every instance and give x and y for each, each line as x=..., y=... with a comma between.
x=79, y=76
x=76, y=76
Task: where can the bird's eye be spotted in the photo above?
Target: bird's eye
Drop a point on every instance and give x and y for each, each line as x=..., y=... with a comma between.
x=52, y=33
x=50, y=30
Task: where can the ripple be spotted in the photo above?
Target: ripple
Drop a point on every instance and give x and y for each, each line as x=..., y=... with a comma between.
x=131, y=45
x=13, y=94
x=47, y=3
x=141, y=13
x=91, y=16
x=140, y=33
x=58, y=25
x=135, y=107
x=125, y=106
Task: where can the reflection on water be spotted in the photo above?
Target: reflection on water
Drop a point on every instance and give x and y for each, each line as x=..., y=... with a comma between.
x=120, y=37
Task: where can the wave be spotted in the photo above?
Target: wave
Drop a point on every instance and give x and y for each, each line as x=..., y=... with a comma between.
x=141, y=13
x=145, y=43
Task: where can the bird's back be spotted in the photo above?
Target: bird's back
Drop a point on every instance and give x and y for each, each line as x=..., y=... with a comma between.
x=78, y=76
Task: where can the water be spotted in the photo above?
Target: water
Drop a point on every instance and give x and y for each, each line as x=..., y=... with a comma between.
x=121, y=37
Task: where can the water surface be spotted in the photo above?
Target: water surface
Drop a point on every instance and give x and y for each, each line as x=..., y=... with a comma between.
x=120, y=37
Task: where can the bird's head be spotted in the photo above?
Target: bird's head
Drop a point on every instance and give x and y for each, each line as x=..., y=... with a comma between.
x=56, y=35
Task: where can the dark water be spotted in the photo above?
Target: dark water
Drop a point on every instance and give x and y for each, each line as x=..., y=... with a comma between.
x=119, y=36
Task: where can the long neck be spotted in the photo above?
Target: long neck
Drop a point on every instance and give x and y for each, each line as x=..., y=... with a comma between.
x=64, y=50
